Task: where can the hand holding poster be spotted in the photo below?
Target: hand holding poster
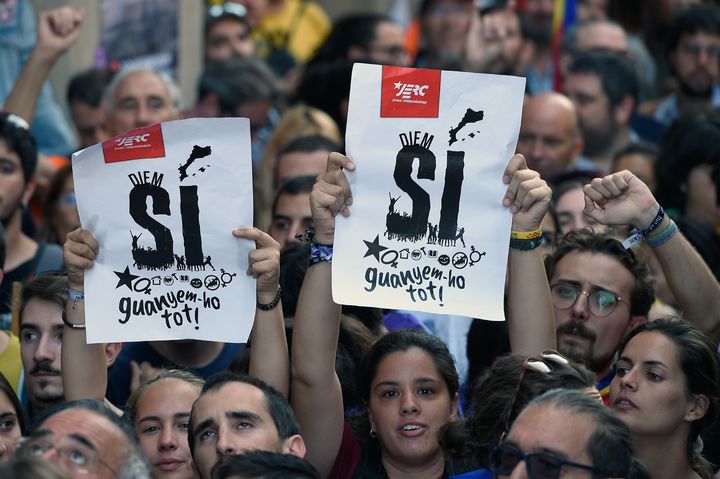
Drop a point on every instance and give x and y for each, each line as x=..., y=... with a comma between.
x=162, y=203
x=427, y=230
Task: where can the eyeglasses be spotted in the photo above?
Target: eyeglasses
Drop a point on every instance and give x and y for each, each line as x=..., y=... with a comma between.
x=74, y=457
x=229, y=8
x=600, y=301
x=542, y=364
x=695, y=50
x=542, y=465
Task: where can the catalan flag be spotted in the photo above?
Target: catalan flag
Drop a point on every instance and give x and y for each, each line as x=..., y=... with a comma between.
x=564, y=16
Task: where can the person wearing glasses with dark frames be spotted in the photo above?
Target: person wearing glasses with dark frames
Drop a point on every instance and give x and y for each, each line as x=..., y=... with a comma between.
x=601, y=291
x=565, y=434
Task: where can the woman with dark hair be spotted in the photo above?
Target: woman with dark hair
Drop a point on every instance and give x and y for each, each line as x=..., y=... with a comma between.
x=407, y=380
x=12, y=420
x=667, y=390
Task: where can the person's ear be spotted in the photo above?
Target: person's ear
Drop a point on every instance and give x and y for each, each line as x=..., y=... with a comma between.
x=29, y=191
x=294, y=445
x=112, y=350
x=624, y=110
x=698, y=408
x=635, y=321
x=454, y=405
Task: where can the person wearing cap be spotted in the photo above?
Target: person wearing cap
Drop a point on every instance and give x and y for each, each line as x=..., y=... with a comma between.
x=227, y=33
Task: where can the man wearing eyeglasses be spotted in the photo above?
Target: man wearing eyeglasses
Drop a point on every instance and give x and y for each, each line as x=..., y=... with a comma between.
x=601, y=290
x=564, y=433
x=694, y=57
x=87, y=440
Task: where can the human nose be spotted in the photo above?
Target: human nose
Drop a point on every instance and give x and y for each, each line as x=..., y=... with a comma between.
x=144, y=116
x=628, y=380
x=44, y=350
x=581, y=308
x=520, y=471
x=409, y=404
x=4, y=449
x=295, y=229
x=168, y=441
x=225, y=447
x=538, y=149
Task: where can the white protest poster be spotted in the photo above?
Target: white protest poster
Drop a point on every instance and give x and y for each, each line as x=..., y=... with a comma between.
x=162, y=202
x=427, y=229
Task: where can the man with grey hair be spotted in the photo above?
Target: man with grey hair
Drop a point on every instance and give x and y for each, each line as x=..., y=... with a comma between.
x=139, y=97
x=87, y=440
x=565, y=430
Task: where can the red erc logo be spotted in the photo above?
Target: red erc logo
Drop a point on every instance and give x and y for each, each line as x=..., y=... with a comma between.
x=409, y=92
x=136, y=144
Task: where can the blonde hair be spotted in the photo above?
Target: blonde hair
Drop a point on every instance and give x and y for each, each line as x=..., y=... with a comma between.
x=191, y=378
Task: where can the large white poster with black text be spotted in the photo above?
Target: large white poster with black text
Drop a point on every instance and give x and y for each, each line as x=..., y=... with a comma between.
x=427, y=230
x=162, y=202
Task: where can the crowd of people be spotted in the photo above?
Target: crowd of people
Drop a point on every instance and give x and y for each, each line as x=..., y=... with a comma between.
x=606, y=366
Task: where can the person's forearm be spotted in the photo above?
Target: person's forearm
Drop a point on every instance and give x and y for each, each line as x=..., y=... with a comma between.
x=24, y=95
x=269, y=358
x=531, y=319
x=84, y=370
x=692, y=282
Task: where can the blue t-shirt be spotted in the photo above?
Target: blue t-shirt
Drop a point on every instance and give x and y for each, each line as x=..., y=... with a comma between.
x=120, y=373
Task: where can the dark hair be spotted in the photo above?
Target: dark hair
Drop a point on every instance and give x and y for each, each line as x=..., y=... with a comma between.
x=294, y=186
x=88, y=86
x=691, y=141
x=695, y=19
x=358, y=30
x=277, y=406
x=238, y=81
x=403, y=340
x=643, y=294
x=308, y=144
x=50, y=287
x=6, y=388
x=637, y=148
x=293, y=265
x=698, y=359
x=427, y=4
x=97, y=407
x=19, y=139
x=399, y=341
x=495, y=388
x=263, y=465
x=616, y=74
x=325, y=86
x=610, y=445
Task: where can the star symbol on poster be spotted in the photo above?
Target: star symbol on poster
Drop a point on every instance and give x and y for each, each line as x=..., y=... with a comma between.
x=126, y=278
x=398, y=85
x=374, y=248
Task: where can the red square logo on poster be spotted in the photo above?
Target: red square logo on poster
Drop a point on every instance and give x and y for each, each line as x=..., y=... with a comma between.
x=134, y=145
x=409, y=93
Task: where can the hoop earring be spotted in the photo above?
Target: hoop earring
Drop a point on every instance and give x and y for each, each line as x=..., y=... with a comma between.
x=373, y=433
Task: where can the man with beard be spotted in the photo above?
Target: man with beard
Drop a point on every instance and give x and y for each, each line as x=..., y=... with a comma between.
x=604, y=89
x=444, y=25
x=601, y=290
x=537, y=18
x=41, y=332
x=693, y=54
